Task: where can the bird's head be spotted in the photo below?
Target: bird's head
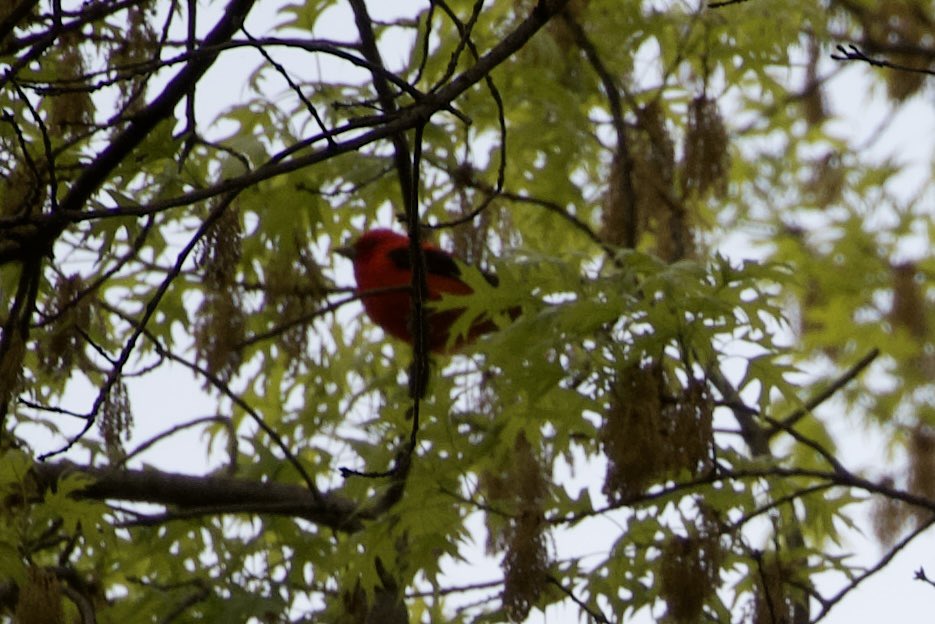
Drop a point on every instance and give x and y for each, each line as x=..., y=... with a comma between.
x=370, y=241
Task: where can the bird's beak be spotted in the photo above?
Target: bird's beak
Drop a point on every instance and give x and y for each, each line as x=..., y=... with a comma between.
x=347, y=251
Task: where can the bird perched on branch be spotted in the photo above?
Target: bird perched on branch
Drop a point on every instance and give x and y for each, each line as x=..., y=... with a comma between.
x=382, y=263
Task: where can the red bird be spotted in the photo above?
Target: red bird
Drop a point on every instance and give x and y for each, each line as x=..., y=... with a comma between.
x=381, y=260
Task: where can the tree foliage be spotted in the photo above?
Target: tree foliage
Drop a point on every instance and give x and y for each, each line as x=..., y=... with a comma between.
x=651, y=434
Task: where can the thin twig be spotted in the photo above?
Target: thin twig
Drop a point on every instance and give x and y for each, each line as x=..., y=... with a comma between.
x=827, y=603
x=304, y=319
x=50, y=409
x=594, y=612
x=236, y=399
x=825, y=394
x=853, y=53
x=921, y=576
x=46, y=145
x=132, y=252
x=292, y=85
x=140, y=325
x=176, y=429
x=723, y=3
x=454, y=589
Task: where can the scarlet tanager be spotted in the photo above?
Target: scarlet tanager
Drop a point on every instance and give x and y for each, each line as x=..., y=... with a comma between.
x=382, y=261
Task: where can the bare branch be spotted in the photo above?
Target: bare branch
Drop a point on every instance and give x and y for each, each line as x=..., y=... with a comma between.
x=594, y=612
x=853, y=53
x=826, y=604
x=825, y=394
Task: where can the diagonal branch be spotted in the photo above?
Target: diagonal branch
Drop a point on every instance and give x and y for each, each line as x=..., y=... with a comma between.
x=825, y=394
x=828, y=603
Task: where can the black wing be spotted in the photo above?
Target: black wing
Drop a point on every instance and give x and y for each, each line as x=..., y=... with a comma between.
x=437, y=262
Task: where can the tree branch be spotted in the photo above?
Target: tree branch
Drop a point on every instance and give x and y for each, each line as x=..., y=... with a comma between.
x=211, y=494
x=853, y=53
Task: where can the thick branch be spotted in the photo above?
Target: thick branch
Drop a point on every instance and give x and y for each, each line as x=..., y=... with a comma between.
x=210, y=495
